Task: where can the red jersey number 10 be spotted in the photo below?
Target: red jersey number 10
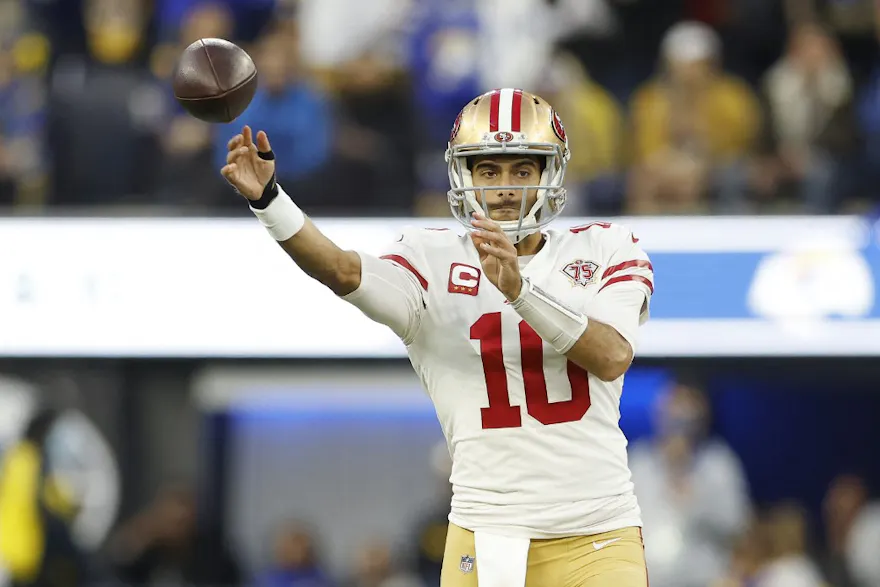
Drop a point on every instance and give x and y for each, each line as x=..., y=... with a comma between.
x=500, y=414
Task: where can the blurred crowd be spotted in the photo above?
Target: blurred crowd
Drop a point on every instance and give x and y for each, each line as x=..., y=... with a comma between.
x=671, y=106
x=702, y=526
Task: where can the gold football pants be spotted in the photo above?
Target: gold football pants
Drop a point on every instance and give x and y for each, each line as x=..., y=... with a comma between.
x=612, y=559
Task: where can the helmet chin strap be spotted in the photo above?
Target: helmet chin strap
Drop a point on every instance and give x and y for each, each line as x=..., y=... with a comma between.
x=510, y=231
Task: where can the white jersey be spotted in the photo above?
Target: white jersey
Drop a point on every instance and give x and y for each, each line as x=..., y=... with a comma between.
x=536, y=445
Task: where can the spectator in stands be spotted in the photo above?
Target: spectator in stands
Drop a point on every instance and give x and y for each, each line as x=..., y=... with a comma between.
x=846, y=497
x=444, y=68
x=594, y=123
x=430, y=531
x=852, y=529
x=295, y=113
x=785, y=529
x=692, y=491
x=809, y=95
x=295, y=560
x=504, y=64
x=247, y=15
x=853, y=22
x=37, y=511
x=334, y=32
x=205, y=20
x=7, y=175
x=188, y=175
x=691, y=125
x=375, y=143
x=24, y=57
x=746, y=559
x=105, y=110
x=868, y=116
x=443, y=62
x=164, y=545
x=376, y=566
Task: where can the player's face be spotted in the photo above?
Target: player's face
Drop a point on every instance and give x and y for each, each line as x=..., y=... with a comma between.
x=691, y=73
x=273, y=65
x=684, y=412
x=176, y=516
x=509, y=171
x=293, y=549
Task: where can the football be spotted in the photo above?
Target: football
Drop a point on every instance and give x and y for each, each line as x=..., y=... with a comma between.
x=215, y=80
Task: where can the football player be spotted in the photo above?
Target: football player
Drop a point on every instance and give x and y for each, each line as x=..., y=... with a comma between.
x=521, y=336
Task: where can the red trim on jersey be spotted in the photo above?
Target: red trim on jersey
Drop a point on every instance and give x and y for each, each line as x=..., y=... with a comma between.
x=583, y=227
x=494, y=108
x=644, y=280
x=408, y=266
x=626, y=265
x=516, y=111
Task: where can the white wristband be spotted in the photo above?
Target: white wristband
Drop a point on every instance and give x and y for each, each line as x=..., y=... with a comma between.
x=282, y=218
x=558, y=325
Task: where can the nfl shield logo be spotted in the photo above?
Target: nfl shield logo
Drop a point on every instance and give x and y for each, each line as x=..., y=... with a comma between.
x=581, y=272
x=467, y=564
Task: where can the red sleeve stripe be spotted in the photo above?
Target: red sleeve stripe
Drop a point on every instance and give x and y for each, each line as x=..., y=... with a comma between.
x=626, y=265
x=644, y=280
x=409, y=267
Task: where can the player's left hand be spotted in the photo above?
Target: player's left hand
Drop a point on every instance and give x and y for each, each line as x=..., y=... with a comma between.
x=497, y=256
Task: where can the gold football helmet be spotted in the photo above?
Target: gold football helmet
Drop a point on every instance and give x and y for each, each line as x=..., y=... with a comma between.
x=508, y=122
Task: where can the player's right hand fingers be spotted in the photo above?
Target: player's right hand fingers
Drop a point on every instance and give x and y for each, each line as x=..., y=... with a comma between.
x=233, y=156
x=263, y=142
x=228, y=171
x=234, y=142
x=247, y=135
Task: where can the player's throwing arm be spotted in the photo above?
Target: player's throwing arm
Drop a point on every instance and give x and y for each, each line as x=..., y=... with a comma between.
x=391, y=298
x=250, y=169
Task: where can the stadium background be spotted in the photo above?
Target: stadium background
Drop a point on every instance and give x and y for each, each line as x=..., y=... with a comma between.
x=197, y=366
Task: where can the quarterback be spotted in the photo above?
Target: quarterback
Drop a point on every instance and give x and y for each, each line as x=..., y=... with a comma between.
x=521, y=336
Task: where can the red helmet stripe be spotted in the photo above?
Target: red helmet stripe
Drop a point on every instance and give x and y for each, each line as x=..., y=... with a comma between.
x=494, y=108
x=516, y=111
x=509, y=110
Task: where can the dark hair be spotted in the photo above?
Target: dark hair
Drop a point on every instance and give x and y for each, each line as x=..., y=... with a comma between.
x=690, y=378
